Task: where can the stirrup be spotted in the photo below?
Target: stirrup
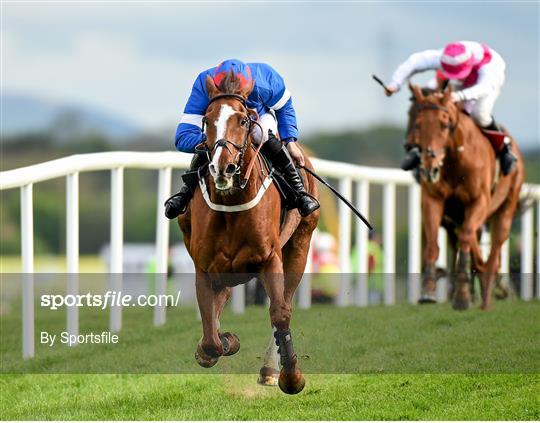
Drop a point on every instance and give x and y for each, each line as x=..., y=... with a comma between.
x=310, y=205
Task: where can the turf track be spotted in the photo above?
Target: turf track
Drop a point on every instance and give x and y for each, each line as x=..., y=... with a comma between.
x=401, y=362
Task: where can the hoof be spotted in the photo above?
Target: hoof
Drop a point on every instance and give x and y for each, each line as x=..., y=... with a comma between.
x=203, y=359
x=461, y=304
x=268, y=376
x=291, y=383
x=427, y=299
x=501, y=292
x=231, y=343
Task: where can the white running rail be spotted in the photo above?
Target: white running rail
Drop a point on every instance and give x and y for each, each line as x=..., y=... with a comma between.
x=350, y=177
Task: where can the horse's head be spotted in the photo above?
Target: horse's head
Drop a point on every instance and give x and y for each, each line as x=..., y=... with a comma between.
x=433, y=117
x=228, y=125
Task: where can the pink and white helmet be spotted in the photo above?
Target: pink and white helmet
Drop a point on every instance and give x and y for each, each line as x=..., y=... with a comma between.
x=457, y=61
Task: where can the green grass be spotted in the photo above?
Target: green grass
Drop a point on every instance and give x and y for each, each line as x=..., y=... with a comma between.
x=402, y=362
x=340, y=397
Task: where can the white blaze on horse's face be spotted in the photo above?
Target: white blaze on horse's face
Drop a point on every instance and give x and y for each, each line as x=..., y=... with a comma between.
x=222, y=180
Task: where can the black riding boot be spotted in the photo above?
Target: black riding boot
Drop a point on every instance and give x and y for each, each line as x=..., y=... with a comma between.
x=412, y=158
x=177, y=204
x=278, y=154
x=507, y=158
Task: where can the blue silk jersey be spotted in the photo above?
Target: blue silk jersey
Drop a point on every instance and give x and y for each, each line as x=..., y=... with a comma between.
x=269, y=93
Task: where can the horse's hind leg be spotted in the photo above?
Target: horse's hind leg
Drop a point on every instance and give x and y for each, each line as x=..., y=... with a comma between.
x=210, y=347
x=269, y=373
x=474, y=217
x=500, y=230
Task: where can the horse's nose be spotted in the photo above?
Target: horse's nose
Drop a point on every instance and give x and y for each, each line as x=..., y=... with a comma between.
x=230, y=169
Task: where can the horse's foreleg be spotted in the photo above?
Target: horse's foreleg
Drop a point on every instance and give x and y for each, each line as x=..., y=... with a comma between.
x=295, y=254
x=432, y=212
x=474, y=218
x=209, y=348
x=291, y=380
x=230, y=342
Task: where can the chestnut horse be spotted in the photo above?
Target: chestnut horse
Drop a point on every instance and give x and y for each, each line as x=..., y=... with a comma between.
x=230, y=243
x=458, y=176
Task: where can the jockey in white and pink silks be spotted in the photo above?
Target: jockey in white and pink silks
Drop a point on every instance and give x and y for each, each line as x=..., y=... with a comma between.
x=477, y=75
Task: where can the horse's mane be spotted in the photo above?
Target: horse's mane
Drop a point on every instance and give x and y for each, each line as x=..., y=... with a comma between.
x=230, y=84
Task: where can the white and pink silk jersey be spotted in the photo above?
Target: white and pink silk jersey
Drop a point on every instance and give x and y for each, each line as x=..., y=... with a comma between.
x=487, y=75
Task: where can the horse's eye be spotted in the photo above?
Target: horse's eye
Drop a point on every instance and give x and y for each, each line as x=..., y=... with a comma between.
x=244, y=122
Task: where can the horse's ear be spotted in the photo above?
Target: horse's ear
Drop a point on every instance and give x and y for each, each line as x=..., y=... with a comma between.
x=447, y=93
x=246, y=91
x=416, y=92
x=253, y=114
x=211, y=87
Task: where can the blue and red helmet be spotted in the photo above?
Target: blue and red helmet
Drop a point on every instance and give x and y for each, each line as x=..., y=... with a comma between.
x=238, y=68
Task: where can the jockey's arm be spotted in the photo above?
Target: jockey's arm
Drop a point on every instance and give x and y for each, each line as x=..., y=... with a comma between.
x=280, y=101
x=188, y=132
x=490, y=79
x=286, y=119
x=187, y=136
x=417, y=62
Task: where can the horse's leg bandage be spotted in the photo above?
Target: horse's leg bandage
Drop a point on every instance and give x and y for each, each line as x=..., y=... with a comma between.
x=285, y=348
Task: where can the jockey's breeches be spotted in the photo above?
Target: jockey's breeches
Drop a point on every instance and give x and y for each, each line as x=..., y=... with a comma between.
x=480, y=110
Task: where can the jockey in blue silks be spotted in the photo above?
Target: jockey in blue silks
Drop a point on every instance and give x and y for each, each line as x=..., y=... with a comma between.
x=273, y=103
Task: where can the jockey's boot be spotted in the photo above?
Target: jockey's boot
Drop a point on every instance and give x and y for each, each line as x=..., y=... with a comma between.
x=412, y=158
x=177, y=204
x=500, y=142
x=277, y=153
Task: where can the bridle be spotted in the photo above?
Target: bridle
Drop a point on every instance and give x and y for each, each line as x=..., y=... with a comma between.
x=227, y=144
x=431, y=153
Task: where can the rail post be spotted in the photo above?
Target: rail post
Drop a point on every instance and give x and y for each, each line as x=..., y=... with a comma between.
x=415, y=244
x=72, y=251
x=441, y=292
x=239, y=299
x=343, y=299
x=117, y=234
x=362, y=240
x=162, y=245
x=389, y=242
x=538, y=249
x=27, y=253
x=527, y=245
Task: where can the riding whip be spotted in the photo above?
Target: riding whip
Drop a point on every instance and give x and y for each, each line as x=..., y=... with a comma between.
x=379, y=81
x=341, y=197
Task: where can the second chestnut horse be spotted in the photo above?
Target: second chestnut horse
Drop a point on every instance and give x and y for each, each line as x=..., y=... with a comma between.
x=458, y=176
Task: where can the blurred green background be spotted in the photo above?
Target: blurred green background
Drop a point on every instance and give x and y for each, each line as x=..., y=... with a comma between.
x=374, y=146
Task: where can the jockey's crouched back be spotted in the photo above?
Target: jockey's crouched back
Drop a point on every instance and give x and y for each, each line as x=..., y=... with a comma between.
x=477, y=74
x=273, y=103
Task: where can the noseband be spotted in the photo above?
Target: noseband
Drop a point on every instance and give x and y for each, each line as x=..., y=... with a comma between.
x=225, y=143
